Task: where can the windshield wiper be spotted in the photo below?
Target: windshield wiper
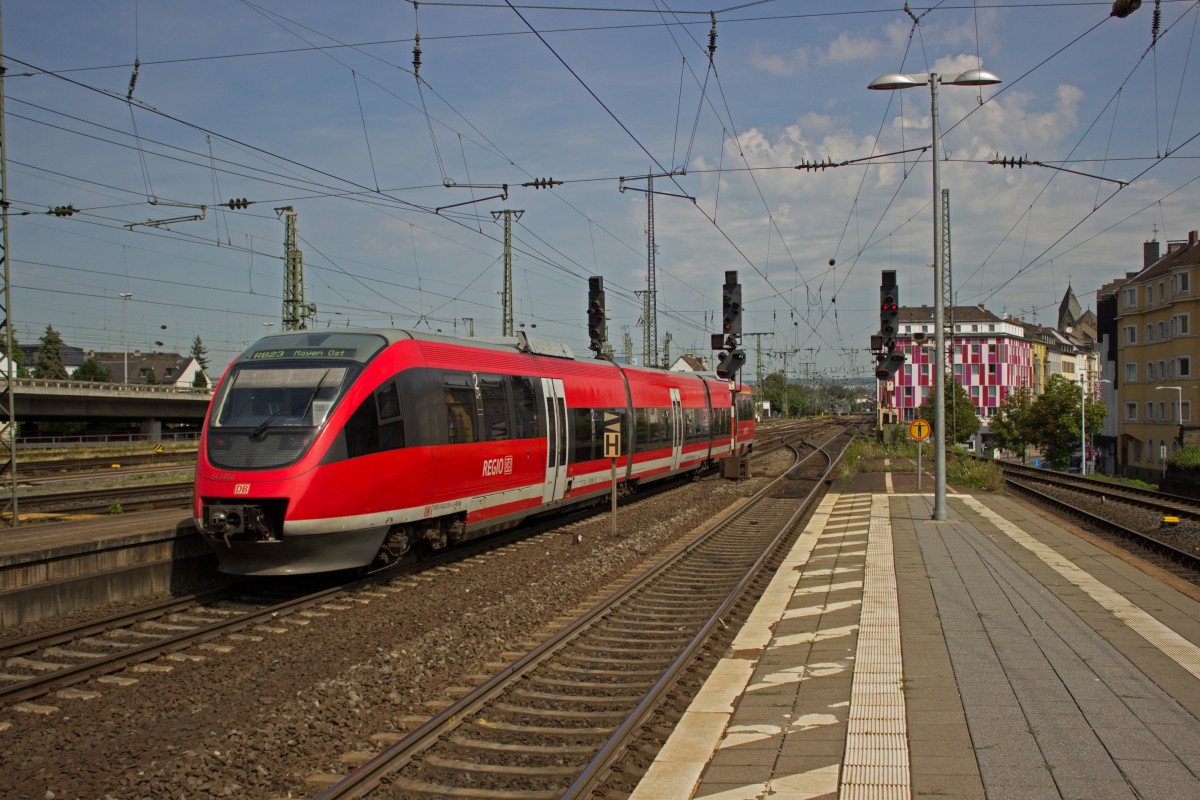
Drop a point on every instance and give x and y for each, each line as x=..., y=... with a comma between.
x=299, y=410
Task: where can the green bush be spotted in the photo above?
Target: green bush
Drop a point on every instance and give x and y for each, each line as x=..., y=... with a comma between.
x=974, y=473
x=1186, y=458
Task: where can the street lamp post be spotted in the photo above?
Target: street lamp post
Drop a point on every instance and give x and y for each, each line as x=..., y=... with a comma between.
x=124, y=343
x=895, y=80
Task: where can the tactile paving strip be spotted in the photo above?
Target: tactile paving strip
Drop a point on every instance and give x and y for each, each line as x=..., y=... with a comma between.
x=876, y=761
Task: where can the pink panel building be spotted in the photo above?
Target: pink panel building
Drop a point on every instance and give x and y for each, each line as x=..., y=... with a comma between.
x=991, y=357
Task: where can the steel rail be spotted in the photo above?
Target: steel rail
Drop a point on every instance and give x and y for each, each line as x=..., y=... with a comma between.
x=370, y=775
x=1149, y=542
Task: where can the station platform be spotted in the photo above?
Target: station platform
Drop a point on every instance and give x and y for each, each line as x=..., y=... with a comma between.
x=59, y=568
x=998, y=654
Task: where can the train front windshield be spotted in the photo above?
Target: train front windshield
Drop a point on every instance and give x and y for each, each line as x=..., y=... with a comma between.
x=279, y=396
x=266, y=416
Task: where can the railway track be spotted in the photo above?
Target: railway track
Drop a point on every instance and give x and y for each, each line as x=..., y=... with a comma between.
x=1127, y=516
x=559, y=720
x=158, y=495
x=93, y=464
x=56, y=659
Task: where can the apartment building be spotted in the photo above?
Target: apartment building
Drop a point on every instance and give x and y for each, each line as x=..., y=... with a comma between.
x=991, y=356
x=1156, y=352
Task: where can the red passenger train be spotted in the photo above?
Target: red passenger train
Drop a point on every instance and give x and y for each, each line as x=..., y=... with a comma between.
x=343, y=449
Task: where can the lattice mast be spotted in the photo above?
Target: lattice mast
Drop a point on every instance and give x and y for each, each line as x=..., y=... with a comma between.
x=650, y=334
x=506, y=294
x=296, y=313
x=8, y=410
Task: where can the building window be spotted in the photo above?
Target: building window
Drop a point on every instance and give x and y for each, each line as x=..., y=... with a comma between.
x=1131, y=411
x=1183, y=366
x=1162, y=412
x=1162, y=291
x=991, y=349
x=1131, y=372
x=1150, y=332
x=1185, y=282
x=1149, y=295
x=1131, y=298
x=1149, y=412
x=1149, y=371
x=1185, y=410
x=991, y=328
x=1162, y=370
x=1183, y=327
x=974, y=329
x=1131, y=334
x=1162, y=331
x=1137, y=450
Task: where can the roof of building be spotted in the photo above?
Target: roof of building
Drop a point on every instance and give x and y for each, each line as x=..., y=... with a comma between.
x=911, y=314
x=1179, y=254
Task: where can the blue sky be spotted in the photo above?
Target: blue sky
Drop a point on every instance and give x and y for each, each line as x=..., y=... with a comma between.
x=315, y=105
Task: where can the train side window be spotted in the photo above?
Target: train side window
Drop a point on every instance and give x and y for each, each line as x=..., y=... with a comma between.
x=641, y=430
x=391, y=419
x=525, y=415
x=377, y=424
x=493, y=407
x=583, y=448
x=460, y=407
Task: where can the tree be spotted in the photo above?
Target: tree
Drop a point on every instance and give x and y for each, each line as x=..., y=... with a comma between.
x=961, y=420
x=91, y=370
x=1010, y=425
x=49, y=358
x=1053, y=421
x=200, y=354
x=18, y=358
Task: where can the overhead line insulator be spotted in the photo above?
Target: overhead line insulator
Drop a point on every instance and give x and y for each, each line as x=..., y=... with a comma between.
x=62, y=211
x=542, y=183
x=239, y=202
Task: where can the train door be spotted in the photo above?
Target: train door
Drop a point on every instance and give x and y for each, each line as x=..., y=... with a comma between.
x=556, y=439
x=676, y=429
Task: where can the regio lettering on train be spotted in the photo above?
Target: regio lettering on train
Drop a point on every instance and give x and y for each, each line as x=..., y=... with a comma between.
x=498, y=466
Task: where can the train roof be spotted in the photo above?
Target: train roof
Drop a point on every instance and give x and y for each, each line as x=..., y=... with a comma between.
x=521, y=343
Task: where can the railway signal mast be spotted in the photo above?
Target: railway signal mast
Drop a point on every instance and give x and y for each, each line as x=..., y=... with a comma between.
x=734, y=358
x=597, y=321
x=887, y=359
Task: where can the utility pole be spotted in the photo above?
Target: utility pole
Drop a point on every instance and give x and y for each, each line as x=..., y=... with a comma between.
x=666, y=362
x=627, y=342
x=785, y=355
x=651, y=289
x=758, y=359
x=646, y=340
x=8, y=409
x=470, y=321
x=296, y=312
x=506, y=298
x=650, y=302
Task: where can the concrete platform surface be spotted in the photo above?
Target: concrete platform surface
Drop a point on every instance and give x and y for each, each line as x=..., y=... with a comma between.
x=996, y=654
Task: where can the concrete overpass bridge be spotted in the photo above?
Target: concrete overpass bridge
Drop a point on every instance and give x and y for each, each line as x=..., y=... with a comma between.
x=38, y=400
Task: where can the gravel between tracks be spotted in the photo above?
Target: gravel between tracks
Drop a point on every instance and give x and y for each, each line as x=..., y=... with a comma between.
x=258, y=721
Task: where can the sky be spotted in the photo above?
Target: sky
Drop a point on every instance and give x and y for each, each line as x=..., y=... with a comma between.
x=397, y=173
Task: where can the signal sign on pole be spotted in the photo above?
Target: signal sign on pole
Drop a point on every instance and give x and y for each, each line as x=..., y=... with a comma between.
x=919, y=429
x=612, y=449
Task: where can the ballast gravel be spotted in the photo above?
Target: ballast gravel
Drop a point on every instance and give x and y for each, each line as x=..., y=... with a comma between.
x=280, y=717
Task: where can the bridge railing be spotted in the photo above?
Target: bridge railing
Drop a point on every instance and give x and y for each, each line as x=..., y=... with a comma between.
x=130, y=388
